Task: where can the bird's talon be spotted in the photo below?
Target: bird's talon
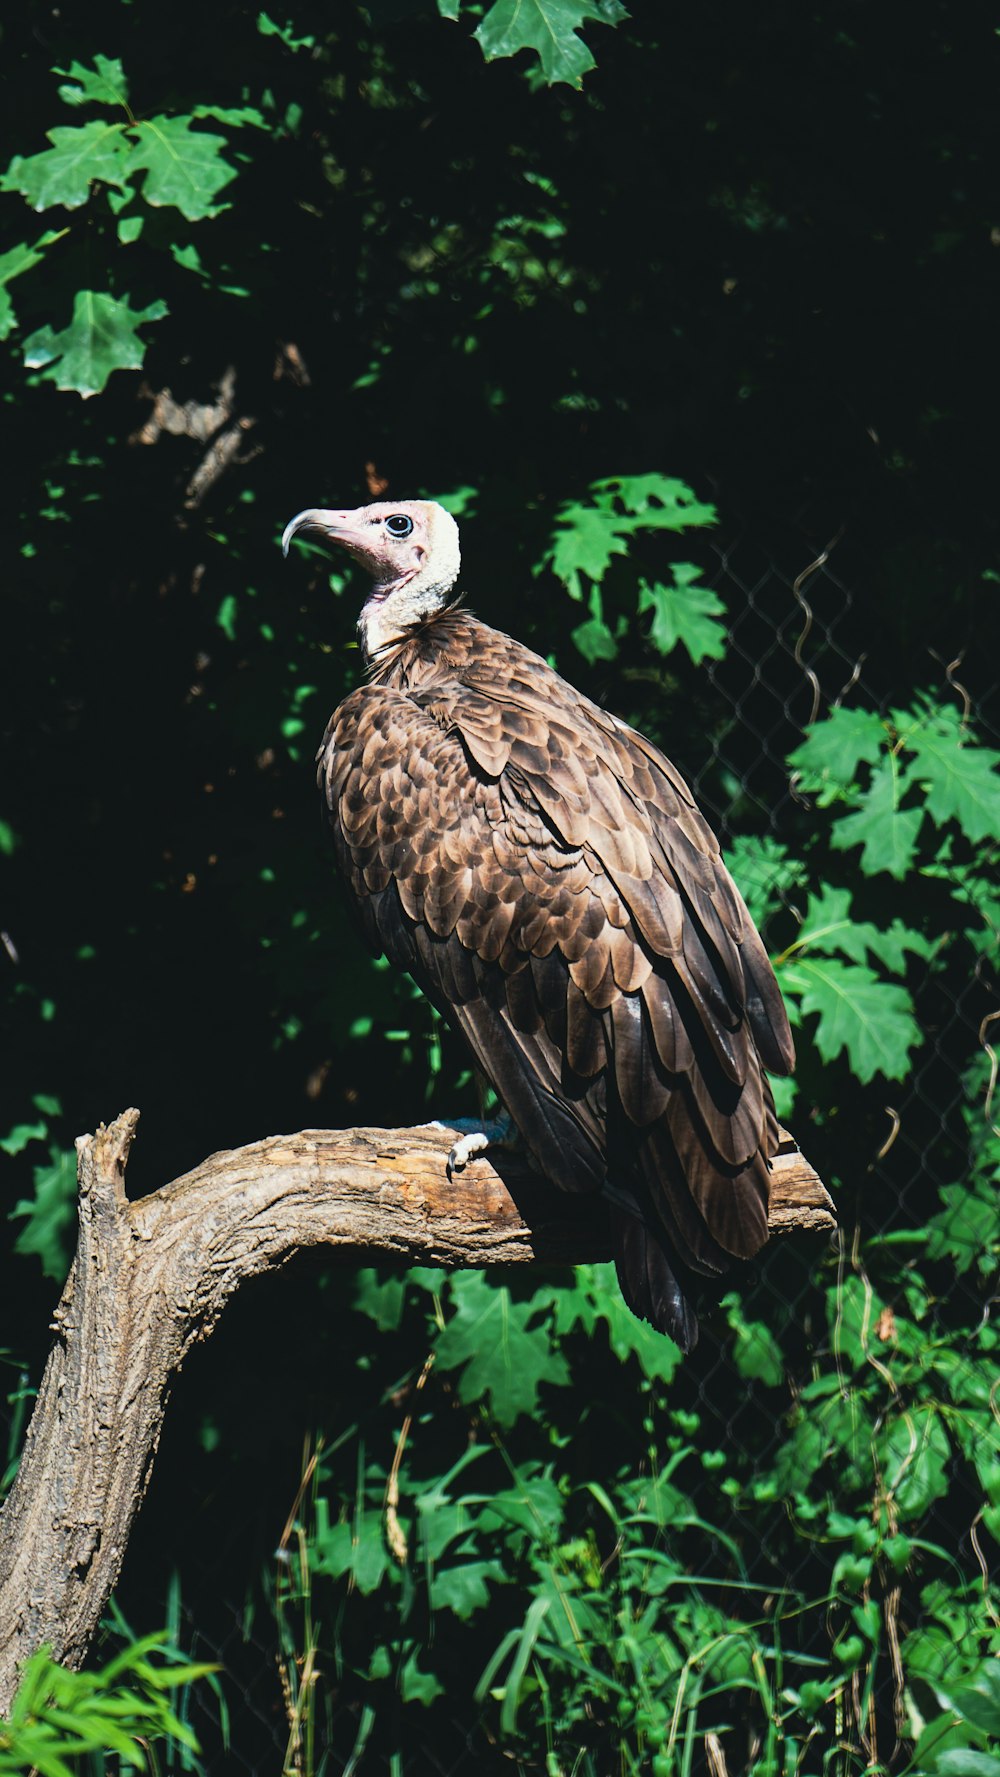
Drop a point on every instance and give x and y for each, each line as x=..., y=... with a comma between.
x=465, y=1149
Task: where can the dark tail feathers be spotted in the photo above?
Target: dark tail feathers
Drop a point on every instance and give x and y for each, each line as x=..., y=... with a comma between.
x=647, y=1281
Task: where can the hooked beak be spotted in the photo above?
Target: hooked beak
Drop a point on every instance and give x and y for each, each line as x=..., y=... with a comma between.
x=336, y=525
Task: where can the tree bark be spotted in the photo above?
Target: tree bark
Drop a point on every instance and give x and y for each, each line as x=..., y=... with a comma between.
x=151, y=1278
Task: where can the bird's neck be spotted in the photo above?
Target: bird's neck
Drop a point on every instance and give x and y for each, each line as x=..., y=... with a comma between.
x=394, y=612
x=438, y=647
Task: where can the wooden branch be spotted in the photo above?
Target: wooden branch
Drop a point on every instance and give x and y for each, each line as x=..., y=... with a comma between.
x=151, y=1278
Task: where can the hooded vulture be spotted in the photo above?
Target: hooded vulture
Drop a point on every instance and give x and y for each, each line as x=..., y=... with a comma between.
x=542, y=871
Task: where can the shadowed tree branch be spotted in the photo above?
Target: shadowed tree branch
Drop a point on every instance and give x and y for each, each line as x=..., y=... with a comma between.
x=151, y=1278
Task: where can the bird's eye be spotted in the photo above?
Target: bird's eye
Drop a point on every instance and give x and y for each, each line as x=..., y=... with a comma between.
x=399, y=525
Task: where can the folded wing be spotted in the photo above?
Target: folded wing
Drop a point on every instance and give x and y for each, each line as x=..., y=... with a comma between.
x=544, y=873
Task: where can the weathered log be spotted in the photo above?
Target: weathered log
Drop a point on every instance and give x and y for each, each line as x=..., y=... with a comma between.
x=151, y=1278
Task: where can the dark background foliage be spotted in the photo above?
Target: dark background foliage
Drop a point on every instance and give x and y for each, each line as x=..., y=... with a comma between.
x=757, y=251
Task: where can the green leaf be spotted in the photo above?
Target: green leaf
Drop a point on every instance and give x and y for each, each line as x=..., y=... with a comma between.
x=529, y=1512
x=64, y=173
x=886, y=833
x=961, y=780
x=869, y=1019
x=657, y=502
x=852, y=1313
x=595, y=1297
x=463, y=1589
x=268, y=28
x=183, y=166
x=587, y=539
x=974, y=890
x=416, y=1686
x=914, y=1453
x=50, y=1216
x=685, y=612
x=528, y=1635
x=101, y=338
x=501, y=1358
x=236, y=115
x=764, y=872
x=968, y=1226
x=963, y=1761
x=828, y=759
x=784, y=1092
x=356, y=1548
x=548, y=27
x=381, y=1298
x=103, y=84
x=594, y=640
x=589, y=534
x=977, y=1702
x=828, y=927
x=12, y=263
x=756, y=1352
x=21, y=1135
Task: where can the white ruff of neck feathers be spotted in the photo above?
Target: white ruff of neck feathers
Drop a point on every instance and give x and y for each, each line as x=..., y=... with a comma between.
x=394, y=609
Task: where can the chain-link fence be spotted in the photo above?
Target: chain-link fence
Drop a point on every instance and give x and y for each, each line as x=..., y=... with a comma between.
x=797, y=647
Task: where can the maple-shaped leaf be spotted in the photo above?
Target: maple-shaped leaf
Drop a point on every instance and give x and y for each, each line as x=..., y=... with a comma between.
x=183, y=166
x=869, y=1019
x=961, y=781
x=64, y=173
x=829, y=927
x=967, y=1229
x=828, y=759
x=12, y=264
x=685, y=612
x=886, y=833
x=548, y=27
x=593, y=1296
x=661, y=502
x=503, y=1360
x=102, y=337
x=590, y=533
x=462, y=1588
x=103, y=84
x=587, y=537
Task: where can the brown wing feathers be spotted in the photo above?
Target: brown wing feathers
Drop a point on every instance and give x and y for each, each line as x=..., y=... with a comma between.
x=544, y=873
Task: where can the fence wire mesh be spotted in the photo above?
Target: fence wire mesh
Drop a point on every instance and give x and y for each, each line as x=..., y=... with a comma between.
x=797, y=645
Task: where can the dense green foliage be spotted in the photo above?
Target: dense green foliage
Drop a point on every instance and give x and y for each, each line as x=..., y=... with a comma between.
x=59, y=1719
x=656, y=330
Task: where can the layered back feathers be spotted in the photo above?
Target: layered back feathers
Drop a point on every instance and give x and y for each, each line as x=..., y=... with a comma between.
x=543, y=872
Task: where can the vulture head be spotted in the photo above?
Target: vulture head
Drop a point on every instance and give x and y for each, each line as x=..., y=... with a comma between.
x=410, y=549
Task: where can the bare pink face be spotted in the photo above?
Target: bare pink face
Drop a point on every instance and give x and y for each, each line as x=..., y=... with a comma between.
x=391, y=539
